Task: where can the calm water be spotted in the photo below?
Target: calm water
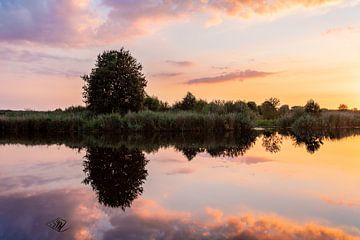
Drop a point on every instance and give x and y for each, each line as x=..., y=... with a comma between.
x=261, y=186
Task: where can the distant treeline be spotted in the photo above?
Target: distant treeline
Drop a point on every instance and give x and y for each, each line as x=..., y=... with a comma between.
x=189, y=114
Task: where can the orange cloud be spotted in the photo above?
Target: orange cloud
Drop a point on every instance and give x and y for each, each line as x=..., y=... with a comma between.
x=149, y=220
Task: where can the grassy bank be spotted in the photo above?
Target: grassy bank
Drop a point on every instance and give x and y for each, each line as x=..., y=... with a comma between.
x=79, y=122
x=324, y=120
x=142, y=122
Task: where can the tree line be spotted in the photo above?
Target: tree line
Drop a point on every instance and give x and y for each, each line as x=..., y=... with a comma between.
x=117, y=85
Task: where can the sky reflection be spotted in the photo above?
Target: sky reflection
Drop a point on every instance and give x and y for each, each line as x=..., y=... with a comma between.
x=285, y=194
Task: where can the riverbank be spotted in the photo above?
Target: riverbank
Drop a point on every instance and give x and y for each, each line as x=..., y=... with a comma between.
x=80, y=122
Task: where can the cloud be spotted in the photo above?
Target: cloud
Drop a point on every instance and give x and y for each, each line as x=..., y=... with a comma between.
x=240, y=75
x=51, y=22
x=342, y=202
x=180, y=63
x=79, y=22
x=166, y=74
x=340, y=30
x=148, y=220
x=8, y=54
x=24, y=215
x=56, y=72
x=180, y=171
x=253, y=160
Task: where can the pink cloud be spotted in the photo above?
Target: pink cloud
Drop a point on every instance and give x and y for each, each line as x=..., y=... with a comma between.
x=180, y=63
x=77, y=23
x=166, y=74
x=149, y=219
x=52, y=22
x=240, y=75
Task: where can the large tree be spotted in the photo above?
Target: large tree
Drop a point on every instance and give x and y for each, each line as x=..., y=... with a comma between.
x=116, y=84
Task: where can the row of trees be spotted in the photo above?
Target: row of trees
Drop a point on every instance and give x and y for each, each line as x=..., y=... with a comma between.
x=117, y=84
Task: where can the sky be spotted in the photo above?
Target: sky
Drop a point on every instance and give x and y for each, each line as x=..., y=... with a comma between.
x=294, y=50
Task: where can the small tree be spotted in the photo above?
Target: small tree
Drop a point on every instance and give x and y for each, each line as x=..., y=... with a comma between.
x=116, y=84
x=284, y=109
x=187, y=103
x=268, y=110
x=154, y=104
x=252, y=106
x=312, y=107
x=343, y=107
x=274, y=101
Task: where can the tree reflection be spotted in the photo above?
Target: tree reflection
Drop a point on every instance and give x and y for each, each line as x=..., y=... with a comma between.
x=271, y=141
x=311, y=142
x=115, y=174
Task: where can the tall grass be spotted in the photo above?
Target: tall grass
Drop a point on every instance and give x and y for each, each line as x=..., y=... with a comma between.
x=146, y=121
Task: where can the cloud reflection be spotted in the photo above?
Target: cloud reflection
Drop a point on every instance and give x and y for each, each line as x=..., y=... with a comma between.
x=148, y=220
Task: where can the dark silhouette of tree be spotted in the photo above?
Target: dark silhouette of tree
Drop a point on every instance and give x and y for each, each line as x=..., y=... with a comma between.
x=312, y=107
x=275, y=102
x=268, y=110
x=252, y=106
x=284, y=109
x=115, y=174
x=188, y=103
x=116, y=84
x=154, y=104
x=343, y=107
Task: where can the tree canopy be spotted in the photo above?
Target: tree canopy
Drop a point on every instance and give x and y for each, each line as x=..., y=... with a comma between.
x=115, y=84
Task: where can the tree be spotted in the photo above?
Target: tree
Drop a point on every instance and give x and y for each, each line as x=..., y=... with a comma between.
x=268, y=110
x=154, y=104
x=252, y=106
x=284, y=109
x=343, y=107
x=312, y=107
x=115, y=84
x=187, y=103
x=275, y=102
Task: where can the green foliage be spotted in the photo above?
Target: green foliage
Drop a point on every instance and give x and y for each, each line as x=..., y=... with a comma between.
x=144, y=121
x=115, y=84
x=268, y=110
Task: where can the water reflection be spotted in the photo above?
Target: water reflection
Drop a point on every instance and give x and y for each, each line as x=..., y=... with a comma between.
x=251, y=186
x=191, y=144
x=115, y=174
x=271, y=141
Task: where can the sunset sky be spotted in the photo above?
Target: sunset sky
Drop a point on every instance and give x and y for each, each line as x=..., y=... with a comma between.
x=217, y=49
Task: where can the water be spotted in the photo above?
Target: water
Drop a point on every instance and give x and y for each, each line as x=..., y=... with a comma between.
x=254, y=186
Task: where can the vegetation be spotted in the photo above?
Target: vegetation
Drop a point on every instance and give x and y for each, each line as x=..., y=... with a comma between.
x=116, y=84
x=145, y=121
x=117, y=103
